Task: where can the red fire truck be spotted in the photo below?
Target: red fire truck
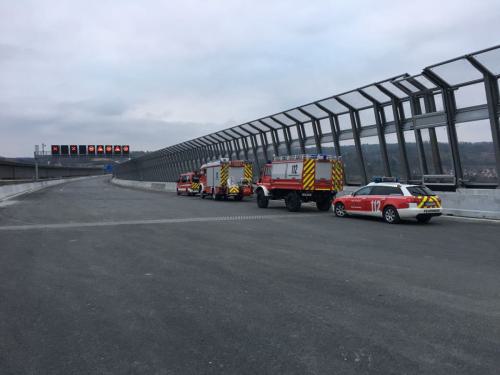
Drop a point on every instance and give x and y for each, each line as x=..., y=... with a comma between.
x=301, y=178
x=226, y=178
x=188, y=183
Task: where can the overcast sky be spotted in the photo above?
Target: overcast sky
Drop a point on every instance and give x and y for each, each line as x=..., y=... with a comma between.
x=153, y=73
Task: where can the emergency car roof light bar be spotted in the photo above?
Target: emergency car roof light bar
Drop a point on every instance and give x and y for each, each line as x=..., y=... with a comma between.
x=378, y=179
x=306, y=156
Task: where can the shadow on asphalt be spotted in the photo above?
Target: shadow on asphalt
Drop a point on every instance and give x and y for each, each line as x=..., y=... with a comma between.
x=434, y=221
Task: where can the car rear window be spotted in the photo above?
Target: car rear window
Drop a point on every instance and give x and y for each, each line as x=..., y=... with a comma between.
x=386, y=190
x=420, y=190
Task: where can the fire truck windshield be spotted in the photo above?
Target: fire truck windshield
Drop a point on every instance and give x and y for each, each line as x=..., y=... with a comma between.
x=236, y=173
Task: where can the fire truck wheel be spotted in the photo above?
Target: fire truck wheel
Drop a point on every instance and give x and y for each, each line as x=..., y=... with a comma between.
x=324, y=205
x=262, y=200
x=178, y=192
x=215, y=197
x=391, y=215
x=238, y=197
x=293, y=202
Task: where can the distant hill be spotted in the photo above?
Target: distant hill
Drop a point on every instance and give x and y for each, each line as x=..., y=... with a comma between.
x=478, y=160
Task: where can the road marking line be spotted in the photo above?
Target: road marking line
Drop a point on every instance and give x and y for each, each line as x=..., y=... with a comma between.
x=149, y=222
x=463, y=218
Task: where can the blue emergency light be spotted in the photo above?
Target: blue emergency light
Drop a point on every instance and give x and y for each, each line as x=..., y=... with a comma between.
x=317, y=156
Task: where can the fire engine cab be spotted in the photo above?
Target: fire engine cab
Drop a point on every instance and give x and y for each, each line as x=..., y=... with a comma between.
x=301, y=178
x=188, y=183
x=226, y=178
x=390, y=200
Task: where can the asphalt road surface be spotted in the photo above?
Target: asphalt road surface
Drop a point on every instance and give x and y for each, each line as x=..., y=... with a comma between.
x=99, y=279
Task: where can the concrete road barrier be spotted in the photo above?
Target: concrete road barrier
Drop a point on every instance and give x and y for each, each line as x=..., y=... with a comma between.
x=14, y=190
x=147, y=185
x=479, y=203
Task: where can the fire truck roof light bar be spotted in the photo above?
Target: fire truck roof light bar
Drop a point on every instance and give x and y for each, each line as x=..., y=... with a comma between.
x=306, y=156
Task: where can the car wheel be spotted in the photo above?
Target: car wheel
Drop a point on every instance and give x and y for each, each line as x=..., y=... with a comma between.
x=391, y=215
x=340, y=210
x=293, y=202
x=424, y=219
x=262, y=200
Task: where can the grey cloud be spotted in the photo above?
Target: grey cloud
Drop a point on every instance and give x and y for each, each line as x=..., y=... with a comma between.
x=158, y=72
x=103, y=107
x=13, y=52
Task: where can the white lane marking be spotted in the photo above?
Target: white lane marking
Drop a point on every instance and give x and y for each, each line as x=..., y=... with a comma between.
x=462, y=218
x=149, y=222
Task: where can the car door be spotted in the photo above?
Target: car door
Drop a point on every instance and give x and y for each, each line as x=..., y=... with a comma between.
x=358, y=203
x=376, y=200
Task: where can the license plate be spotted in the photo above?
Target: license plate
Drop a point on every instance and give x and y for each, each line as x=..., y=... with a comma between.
x=431, y=211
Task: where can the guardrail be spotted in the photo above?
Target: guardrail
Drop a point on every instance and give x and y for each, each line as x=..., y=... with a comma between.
x=404, y=126
x=439, y=181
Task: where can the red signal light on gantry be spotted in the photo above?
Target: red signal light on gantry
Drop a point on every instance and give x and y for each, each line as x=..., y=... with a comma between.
x=117, y=149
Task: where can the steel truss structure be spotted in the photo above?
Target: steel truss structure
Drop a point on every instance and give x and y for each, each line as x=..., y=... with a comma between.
x=404, y=106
